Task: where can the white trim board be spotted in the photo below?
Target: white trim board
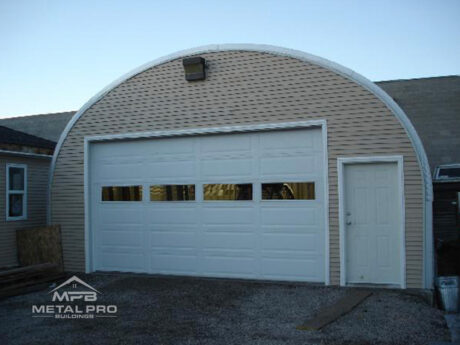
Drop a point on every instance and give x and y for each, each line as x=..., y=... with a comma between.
x=209, y=130
x=89, y=240
x=341, y=162
x=302, y=56
x=327, y=276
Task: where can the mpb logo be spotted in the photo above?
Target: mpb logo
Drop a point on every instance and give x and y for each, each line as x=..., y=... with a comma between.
x=71, y=296
x=74, y=295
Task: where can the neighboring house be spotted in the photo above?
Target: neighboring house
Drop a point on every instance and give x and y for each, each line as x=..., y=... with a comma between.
x=433, y=106
x=24, y=175
x=46, y=126
x=258, y=162
x=24, y=168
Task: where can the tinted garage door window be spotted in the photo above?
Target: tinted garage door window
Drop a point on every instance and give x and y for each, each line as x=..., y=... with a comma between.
x=236, y=205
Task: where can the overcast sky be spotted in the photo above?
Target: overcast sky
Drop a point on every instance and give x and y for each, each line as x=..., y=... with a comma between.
x=55, y=55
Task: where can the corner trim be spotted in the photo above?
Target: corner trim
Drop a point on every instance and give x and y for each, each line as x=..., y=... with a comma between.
x=88, y=242
x=327, y=278
x=341, y=162
x=341, y=70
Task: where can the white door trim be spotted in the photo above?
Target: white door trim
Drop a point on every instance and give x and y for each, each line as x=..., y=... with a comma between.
x=89, y=240
x=341, y=161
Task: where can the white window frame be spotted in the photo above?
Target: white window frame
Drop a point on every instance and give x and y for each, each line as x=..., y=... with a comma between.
x=8, y=192
x=445, y=166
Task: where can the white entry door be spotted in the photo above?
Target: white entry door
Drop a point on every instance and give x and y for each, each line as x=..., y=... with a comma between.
x=372, y=215
x=248, y=205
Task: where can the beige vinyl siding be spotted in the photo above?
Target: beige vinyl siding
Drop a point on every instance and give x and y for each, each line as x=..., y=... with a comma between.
x=243, y=88
x=37, y=186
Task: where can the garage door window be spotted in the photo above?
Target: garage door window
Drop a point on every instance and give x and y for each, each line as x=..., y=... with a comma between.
x=288, y=191
x=227, y=191
x=172, y=192
x=16, y=192
x=122, y=193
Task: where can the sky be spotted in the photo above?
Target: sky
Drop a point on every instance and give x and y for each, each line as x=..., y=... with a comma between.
x=56, y=55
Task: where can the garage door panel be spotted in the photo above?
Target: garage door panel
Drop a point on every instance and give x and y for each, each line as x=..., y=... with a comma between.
x=120, y=214
x=120, y=171
x=233, y=168
x=156, y=146
x=286, y=166
x=173, y=215
x=114, y=156
x=292, y=269
x=169, y=156
x=287, y=140
x=178, y=229
x=120, y=261
x=187, y=250
x=180, y=169
x=229, y=251
x=129, y=237
x=173, y=228
x=230, y=241
x=228, y=215
x=225, y=228
x=291, y=229
x=231, y=143
x=262, y=239
x=237, y=266
x=178, y=264
x=167, y=146
x=286, y=215
x=306, y=243
x=121, y=228
x=172, y=239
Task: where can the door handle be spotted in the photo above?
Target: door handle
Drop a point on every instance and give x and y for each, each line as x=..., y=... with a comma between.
x=349, y=222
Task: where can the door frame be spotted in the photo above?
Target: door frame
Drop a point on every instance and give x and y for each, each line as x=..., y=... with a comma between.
x=341, y=162
x=88, y=140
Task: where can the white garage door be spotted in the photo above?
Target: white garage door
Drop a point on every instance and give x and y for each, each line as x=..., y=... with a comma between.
x=245, y=205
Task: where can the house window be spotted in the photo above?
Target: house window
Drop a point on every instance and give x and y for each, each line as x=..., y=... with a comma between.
x=16, y=192
x=227, y=191
x=182, y=192
x=122, y=193
x=447, y=172
x=288, y=191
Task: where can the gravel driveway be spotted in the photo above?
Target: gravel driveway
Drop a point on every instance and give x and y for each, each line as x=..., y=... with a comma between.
x=166, y=310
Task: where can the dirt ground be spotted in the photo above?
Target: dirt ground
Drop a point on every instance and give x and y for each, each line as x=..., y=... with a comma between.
x=168, y=310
